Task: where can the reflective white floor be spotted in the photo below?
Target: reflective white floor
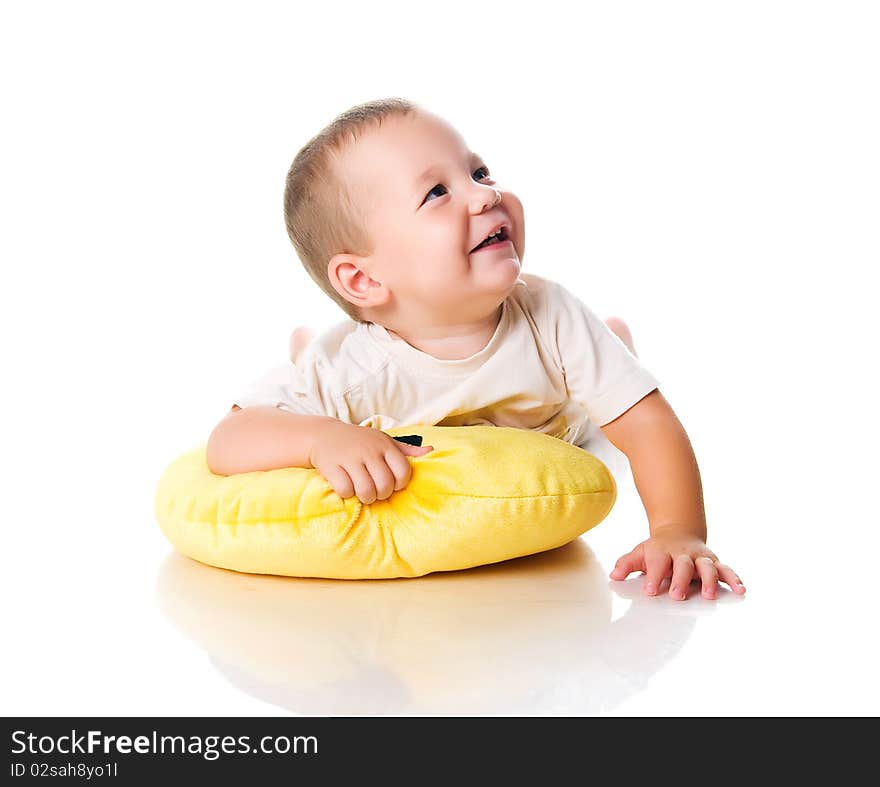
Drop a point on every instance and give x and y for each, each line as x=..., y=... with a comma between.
x=113, y=621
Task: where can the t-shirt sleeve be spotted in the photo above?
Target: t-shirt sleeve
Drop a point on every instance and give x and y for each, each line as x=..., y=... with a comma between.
x=600, y=372
x=283, y=386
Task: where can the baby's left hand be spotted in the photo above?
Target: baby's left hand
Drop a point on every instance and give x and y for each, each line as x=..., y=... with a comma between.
x=684, y=557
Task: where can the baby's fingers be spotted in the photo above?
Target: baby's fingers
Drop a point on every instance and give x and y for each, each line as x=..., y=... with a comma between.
x=682, y=573
x=397, y=460
x=339, y=479
x=383, y=478
x=658, y=565
x=364, y=487
x=626, y=564
x=728, y=575
x=708, y=575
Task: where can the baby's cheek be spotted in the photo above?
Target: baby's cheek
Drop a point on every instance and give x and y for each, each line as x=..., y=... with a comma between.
x=515, y=210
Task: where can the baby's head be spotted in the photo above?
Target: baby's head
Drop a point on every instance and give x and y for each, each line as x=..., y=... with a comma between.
x=384, y=208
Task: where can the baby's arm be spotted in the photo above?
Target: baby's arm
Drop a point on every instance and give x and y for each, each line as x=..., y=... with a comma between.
x=668, y=481
x=264, y=438
x=356, y=460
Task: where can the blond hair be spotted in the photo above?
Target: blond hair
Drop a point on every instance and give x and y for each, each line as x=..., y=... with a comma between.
x=323, y=212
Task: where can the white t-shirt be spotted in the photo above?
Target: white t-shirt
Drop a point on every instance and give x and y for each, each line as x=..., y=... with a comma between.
x=552, y=366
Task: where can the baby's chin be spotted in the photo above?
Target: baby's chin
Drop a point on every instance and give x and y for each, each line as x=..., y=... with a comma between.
x=500, y=272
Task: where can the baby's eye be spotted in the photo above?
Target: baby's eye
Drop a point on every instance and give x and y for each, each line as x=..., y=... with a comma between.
x=441, y=186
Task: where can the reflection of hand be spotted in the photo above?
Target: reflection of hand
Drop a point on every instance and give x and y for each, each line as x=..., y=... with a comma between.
x=676, y=552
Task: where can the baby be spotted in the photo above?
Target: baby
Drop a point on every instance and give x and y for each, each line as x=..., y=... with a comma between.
x=403, y=226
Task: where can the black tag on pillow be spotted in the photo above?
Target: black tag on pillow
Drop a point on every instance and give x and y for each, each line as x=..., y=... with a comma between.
x=412, y=439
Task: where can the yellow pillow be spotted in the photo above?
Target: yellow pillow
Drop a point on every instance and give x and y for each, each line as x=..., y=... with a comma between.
x=484, y=494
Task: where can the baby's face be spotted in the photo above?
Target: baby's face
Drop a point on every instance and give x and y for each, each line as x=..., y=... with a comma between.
x=429, y=201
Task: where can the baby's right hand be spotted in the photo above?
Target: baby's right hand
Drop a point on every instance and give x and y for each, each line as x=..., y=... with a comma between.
x=363, y=461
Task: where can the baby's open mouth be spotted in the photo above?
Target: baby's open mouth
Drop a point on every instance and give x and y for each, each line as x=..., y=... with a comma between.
x=496, y=237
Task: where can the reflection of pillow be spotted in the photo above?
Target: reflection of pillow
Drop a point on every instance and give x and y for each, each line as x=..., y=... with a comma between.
x=533, y=635
x=484, y=494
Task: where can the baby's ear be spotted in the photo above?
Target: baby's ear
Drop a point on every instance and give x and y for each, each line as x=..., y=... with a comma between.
x=300, y=337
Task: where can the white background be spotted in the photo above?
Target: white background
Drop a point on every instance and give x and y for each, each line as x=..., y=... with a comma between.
x=708, y=171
